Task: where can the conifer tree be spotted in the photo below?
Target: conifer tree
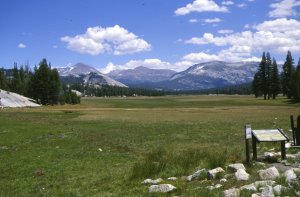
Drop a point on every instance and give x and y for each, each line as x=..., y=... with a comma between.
x=16, y=81
x=45, y=84
x=275, y=82
x=296, y=84
x=262, y=83
x=256, y=85
x=268, y=75
x=287, y=73
x=3, y=80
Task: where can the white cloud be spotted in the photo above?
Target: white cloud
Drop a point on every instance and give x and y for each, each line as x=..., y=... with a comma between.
x=21, y=46
x=54, y=46
x=98, y=40
x=227, y=3
x=247, y=26
x=241, y=5
x=200, y=57
x=200, y=6
x=212, y=20
x=252, y=59
x=284, y=8
x=277, y=36
x=193, y=20
x=225, y=31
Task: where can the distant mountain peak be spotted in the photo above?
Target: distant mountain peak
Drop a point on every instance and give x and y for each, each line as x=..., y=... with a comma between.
x=90, y=74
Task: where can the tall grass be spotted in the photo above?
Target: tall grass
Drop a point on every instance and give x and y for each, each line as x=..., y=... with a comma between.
x=164, y=162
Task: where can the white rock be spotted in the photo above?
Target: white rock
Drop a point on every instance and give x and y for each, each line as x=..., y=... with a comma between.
x=267, y=192
x=250, y=187
x=291, y=156
x=233, y=192
x=162, y=188
x=153, y=182
x=278, y=189
x=264, y=183
x=223, y=180
x=196, y=175
x=172, y=178
x=242, y=175
x=213, y=173
x=255, y=195
x=214, y=187
x=290, y=175
x=270, y=173
x=236, y=166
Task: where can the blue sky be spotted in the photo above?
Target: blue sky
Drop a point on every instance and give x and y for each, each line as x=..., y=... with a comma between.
x=173, y=34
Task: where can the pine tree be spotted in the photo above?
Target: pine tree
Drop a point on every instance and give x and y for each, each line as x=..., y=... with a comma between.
x=16, y=81
x=54, y=87
x=45, y=84
x=3, y=80
x=268, y=74
x=286, y=78
x=275, y=82
x=296, y=84
x=262, y=70
x=256, y=85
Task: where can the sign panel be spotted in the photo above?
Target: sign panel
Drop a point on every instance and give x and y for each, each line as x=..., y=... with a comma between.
x=268, y=135
x=248, y=131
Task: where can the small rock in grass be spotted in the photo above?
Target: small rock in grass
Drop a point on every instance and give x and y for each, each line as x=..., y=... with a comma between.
x=172, y=178
x=214, y=187
x=278, y=189
x=250, y=187
x=290, y=175
x=234, y=167
x=214, y=172
x=267, y=192
x=162, y=188
x=154, y=182
x=270, y=173
x=242, y=175
x=264, y=183
x=233, y=192
x=196, y=175
x=223, y=180
x=255, y=195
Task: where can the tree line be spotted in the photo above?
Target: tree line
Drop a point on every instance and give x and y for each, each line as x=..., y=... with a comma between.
x=106, y=90
x=268, y=82
x=42, y=84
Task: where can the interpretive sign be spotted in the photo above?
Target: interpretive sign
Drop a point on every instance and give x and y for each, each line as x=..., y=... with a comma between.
x=269, y=135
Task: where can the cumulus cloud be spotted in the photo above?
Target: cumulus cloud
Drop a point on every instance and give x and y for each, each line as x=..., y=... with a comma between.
x=225, y=31
x=277, y=36
x=212, y=20
x=98, y=40
x=227, y=3
x=241, y=5
x=21, y=46
x=284, y=8
x=200, y=6
x=193, y=20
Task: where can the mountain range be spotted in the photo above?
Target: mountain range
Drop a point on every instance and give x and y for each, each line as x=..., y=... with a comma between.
x=201, y=76
x=87, y=74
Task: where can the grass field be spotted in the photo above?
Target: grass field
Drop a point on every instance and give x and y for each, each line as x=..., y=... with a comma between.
x=107, y=146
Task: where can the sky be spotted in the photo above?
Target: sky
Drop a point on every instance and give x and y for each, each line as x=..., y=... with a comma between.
x=160, y=34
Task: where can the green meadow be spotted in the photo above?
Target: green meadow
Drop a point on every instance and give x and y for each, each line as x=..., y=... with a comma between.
x=108, y=146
